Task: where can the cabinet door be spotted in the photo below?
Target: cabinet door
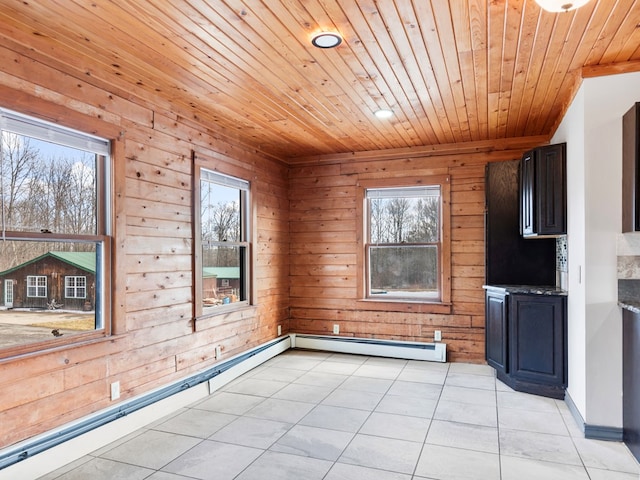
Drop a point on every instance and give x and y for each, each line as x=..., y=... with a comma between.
x=537, y=339
x=550, y=190
x=496, y=331
x=631, y=380
x=526, y=194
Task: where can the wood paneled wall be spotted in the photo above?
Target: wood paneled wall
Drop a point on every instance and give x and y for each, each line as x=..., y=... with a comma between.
x=154, y=339
x=304, y=250
x=324, y=229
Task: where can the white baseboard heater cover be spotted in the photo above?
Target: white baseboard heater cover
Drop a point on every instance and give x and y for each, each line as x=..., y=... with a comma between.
x=433, y=352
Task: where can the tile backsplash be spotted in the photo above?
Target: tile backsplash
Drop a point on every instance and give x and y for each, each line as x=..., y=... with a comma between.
x=561, y=254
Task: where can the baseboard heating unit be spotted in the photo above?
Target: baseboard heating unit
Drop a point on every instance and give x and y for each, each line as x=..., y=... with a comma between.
x=434, y=352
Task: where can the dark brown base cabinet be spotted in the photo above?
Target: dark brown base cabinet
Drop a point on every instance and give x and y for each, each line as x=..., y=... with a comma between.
x=631, y=381
x=526, y=341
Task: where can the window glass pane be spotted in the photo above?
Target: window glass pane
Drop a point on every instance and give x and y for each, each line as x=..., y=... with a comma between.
x=47, y=187
x=223, y=241
x=405, y=219
x=35, y=278
x=404, y=271
x=220, y=210
x=223, y=275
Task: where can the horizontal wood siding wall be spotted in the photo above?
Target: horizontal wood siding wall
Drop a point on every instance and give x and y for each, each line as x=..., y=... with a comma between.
x=324, y=251
x=154, y=341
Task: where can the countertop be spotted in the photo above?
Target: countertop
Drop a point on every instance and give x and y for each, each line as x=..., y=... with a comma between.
x=631, y=305
x=527, y=289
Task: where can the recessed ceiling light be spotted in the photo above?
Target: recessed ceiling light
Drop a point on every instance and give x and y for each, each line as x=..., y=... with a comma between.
x=326, y=40
x=561, y=5
x=383, y=113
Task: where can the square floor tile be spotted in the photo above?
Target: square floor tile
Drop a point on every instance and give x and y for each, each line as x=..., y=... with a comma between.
x=335, y=418
x=524, y=401
x=232, y=403
x=411, y=406
x=472, y=369
x=353, y=399
x=196, y=423
x=213, y=460
x=538, y=446
x=382, y=453
x=400, y=427
x=532, y=421
x=367, y=384
x=599, y=474
x=342, y=471
x=252, y=432
x=282, y=466
x=446, y=463
x=321, y=379
x=423, y=376
x=473, y=396
x=313, y=442
x=467, y=413
x=464, y=435
x=303, y=393
x=152, y=449
x=103, y=469
x=255, y=386
x=526, y=469
x=415, y=389
x=607, y=455
x=279, y=410
x=339, y=368
x=389, y=372
x=471, y=381
x=278, y=374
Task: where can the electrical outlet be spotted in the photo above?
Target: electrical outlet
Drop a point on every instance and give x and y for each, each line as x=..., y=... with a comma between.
x=115, y=390
x=279, y=330
x=218, y=351
x=437, y=335
x=336, y=329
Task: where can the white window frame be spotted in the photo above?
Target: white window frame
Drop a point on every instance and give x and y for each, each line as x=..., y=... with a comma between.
x=24, y=125
x=37, y=283
x=75, y=287
x=244, y=294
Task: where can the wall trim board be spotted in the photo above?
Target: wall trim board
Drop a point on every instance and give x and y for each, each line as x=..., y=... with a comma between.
x=433, y=352
x=603, y=432
x=39, y=455
x=593, y=432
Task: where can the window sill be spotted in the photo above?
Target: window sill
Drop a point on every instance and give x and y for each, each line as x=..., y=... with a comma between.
x=224, y=315
x=56, y=346
x=404, y=306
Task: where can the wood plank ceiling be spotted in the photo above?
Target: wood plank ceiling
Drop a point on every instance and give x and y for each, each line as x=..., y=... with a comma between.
x=456, y=71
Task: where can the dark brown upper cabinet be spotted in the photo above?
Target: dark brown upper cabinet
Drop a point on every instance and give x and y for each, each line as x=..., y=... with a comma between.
x=631, y=170
x=543, y=192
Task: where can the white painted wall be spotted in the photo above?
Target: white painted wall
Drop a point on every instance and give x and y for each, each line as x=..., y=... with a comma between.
x=592, y=129
x=571, y=130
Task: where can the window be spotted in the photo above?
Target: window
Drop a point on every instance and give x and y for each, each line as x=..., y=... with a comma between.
x=36, y=286
x=54, y=244
x=222, y=242
x=405, y=250
x=75, y=287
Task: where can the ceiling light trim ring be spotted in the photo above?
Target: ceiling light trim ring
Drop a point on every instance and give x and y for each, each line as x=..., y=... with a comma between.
x=326, y=40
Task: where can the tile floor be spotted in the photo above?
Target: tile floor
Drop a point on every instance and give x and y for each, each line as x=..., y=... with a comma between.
x=314, y=415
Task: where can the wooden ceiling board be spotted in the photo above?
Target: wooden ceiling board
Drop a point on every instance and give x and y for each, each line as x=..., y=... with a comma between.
x=457, y=71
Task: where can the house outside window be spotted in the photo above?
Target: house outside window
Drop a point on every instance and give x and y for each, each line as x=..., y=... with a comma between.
x=222, y=275
x=54, y=214
x=75, y=287
x=406, y=241
x=37, y=286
